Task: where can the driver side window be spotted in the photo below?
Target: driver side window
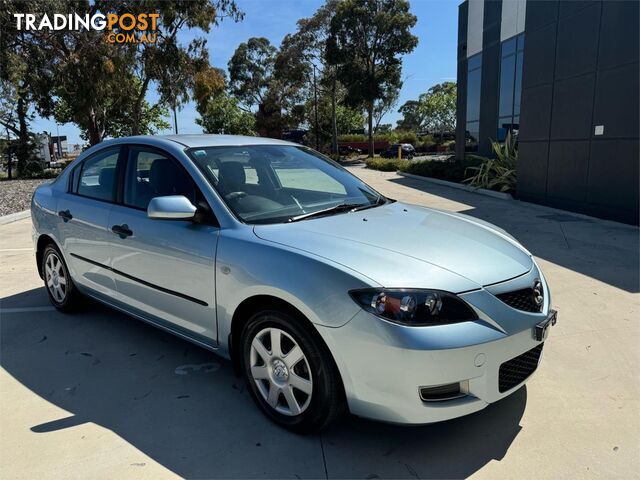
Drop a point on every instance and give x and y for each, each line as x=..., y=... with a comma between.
x=150, y=174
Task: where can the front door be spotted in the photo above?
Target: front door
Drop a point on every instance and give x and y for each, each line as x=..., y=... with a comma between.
x=163, y=269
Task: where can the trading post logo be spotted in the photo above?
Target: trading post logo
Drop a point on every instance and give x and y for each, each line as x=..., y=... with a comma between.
x=124, y=28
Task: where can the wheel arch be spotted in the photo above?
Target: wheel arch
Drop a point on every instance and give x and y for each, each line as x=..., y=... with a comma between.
x=43, y=240
x=255, y=303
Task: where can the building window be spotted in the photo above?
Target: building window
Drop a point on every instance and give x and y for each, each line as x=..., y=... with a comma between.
x=512, y=53
x=474, y=77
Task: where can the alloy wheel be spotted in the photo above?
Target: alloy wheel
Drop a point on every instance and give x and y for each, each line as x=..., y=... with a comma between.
x=281, y=371
x=55, y=277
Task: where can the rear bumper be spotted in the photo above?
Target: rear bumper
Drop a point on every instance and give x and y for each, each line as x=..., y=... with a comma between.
x=383, y=370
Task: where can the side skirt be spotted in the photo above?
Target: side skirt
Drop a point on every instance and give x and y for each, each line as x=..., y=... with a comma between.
x=199, y=340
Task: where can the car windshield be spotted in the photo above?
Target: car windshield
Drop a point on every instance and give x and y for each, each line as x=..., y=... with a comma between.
x=281, y=183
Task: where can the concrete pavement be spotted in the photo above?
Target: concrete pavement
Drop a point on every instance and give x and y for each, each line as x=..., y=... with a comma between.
x=99, y=395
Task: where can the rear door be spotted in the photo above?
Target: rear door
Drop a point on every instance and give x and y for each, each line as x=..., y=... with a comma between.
x=164, y=269
x=83, y=214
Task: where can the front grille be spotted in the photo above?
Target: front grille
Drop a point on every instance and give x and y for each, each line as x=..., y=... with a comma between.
x=521, y=300
x=515, y=371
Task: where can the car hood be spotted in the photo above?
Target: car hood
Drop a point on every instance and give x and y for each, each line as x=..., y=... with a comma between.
x=401, y=245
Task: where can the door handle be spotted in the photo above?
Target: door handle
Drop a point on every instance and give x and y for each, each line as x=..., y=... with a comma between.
x=123, y=231
x=65, y=215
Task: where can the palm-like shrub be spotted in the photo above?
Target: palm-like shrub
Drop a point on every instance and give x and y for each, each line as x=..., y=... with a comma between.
x=497, y=173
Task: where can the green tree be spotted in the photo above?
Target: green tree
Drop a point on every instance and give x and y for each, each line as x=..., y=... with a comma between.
x=434, y=110
x=221, y=114
x=15, y=118
x=412, y=116
x=166, y=63
x=83, y=79
x=251, y=71
x=437, y=108
x=384, y=104
x=260, y=77
x=150, y=120
x=208, y=82
x=306, y=51
x=17, y=81
x=346, y=119
x=367, y=38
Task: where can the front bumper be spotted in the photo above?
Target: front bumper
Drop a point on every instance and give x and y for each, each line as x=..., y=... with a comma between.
x=383, y=365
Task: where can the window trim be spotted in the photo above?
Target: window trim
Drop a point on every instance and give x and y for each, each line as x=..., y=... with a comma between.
x=73, y=189
x=122, y=178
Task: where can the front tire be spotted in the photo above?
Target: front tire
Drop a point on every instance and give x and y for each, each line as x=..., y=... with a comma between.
x=62, y=292
x=289, y=372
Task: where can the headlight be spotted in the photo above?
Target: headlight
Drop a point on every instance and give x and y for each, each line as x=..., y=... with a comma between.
x=414, y=307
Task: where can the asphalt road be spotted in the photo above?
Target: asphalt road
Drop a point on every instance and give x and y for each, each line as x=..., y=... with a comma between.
x=99, y=395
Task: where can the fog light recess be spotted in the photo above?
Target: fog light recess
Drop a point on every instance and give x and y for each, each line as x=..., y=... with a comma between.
x=441, y=393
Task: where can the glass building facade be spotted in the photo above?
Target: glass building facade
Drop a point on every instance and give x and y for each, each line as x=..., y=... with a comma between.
x=569, y=93
x=510, y=86
x=474, y=83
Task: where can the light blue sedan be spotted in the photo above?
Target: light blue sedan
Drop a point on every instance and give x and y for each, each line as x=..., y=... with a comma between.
x=327, y=296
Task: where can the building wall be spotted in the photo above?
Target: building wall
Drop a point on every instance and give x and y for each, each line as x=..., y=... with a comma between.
x=578, y=139
x=490, y=75
x=461, y=102
x=578, y=124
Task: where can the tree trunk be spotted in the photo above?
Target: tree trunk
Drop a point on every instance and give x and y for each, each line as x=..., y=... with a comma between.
x=135, y=120
x=370, y=120
x=94, y=131
x=334, y=119
x=23, y=150
x=137, y=108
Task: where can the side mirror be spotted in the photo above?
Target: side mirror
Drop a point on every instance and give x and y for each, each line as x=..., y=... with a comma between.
x=171, y=207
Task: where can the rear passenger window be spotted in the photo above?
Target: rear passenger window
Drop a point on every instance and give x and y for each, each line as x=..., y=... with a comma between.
x=98, y=176
x=152, y=174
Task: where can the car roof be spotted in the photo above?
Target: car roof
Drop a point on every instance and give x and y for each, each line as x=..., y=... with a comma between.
x=207, y=140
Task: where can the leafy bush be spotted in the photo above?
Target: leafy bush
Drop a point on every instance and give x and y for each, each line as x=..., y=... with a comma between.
x=405, y=137
x=452, y=170
x=33, y=169
x=395, y=136
x=352, y=137
x=426, y=146
x=496, y=173
x=386, y=164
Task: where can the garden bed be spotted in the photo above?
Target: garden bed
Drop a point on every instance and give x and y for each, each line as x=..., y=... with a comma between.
x=15, y=195
x=449, y=169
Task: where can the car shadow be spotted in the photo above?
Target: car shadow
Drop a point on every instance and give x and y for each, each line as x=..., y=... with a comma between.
x=183, y=407
x=604, y=250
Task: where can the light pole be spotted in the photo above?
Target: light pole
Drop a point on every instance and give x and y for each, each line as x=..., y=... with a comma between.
x=315, y=101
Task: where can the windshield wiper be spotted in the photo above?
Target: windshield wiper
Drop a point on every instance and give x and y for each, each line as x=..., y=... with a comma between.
x=379, y=201
x=341, y=207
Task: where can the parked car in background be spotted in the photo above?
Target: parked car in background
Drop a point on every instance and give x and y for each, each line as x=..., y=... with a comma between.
x=326, y=296
x=347, y=150
x=408, y=151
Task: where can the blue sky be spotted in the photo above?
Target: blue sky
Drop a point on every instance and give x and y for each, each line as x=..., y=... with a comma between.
x=433, y=61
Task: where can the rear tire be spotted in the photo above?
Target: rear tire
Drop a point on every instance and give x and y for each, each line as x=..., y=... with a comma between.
x=290, y=373
x=62, y=292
